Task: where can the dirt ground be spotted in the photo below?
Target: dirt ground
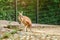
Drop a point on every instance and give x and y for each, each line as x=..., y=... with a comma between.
x=39, y=32
x=47, y=30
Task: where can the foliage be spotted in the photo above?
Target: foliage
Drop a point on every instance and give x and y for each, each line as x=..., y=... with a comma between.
x=6, y=35
x=49, y=10
x=14, y=31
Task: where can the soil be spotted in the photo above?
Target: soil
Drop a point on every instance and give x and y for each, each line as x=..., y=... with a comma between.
x=13, y=31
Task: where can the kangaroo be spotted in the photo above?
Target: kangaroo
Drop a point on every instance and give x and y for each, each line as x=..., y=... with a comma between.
x=26, y=21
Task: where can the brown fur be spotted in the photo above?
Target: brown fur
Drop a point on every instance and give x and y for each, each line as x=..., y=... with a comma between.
x=25, y=20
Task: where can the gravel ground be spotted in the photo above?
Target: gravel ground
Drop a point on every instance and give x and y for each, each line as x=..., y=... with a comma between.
x=42, y=34
x=38, y=33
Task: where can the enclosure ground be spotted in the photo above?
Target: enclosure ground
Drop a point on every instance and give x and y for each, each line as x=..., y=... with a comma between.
x=39, y=31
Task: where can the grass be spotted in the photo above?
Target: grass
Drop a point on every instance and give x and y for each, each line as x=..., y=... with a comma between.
x=14, y=31
x=6, y=35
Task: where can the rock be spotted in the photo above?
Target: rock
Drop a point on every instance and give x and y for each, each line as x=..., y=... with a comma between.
x=9, y=24
x=3, y=23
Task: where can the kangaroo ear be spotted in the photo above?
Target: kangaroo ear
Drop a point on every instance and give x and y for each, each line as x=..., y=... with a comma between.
x=22, y=12
x=19, y=13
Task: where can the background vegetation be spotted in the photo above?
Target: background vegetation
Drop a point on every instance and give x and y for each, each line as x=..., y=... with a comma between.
x=49, y=10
